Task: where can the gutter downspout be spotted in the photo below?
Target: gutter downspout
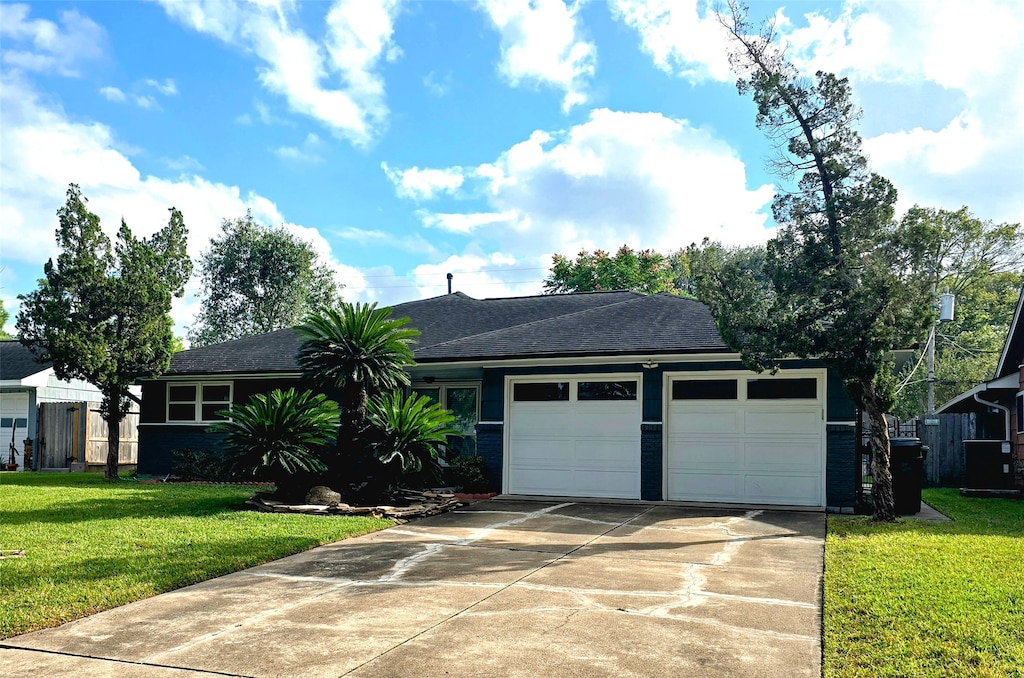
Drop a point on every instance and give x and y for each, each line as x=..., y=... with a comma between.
x=1004, y=408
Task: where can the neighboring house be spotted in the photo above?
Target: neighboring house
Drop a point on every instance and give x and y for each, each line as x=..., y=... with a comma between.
x=24, y=383
x=1003, y=393
x=606, y=394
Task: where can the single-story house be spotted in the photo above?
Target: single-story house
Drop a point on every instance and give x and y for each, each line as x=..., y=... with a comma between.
x=604, y=394
x=24, y=383
x=1003, y=393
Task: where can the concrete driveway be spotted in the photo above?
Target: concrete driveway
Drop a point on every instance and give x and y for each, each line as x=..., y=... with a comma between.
x=500, y=588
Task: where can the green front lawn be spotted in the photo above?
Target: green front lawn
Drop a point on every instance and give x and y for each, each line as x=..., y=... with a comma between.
x=919, y=598
x=91, y=545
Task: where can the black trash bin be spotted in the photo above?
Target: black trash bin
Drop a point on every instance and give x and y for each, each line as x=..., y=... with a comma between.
x=907, y=463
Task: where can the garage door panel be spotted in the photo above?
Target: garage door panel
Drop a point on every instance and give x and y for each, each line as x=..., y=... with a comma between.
x=783, y=489
x=540, y=481
x=706, y=421
x=536, y=420
x=610, y=454
x=764, y=450
x=700, y=453
x=544, y=453
x=693, y=486
x=800, y=456
x=584, y=448
x=587, y=420
x=606, y=483
x=779, y=421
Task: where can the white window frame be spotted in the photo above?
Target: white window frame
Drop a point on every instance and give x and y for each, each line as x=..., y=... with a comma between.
x=197, y=402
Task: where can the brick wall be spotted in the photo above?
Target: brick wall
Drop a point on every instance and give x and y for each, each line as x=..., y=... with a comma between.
x=842, y=468
x=156, y=443
x=650, y=462
x=489, y=441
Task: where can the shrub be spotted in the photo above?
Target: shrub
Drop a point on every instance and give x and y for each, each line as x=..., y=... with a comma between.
x=467, y=473
x=206, y=464
x=282, y=436
x=406, y=434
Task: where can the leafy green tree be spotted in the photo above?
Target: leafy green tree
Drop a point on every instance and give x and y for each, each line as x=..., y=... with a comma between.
x=101, y=311
x=645, y=271
x=258, y=279
x=408, y=433
x=848, y=284
x=279, y=435
x=360, y=349
x=981, y=264
x=4, y=315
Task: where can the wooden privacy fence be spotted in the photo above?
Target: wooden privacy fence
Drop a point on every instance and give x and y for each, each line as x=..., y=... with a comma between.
x=944, y=465
x=75, y=433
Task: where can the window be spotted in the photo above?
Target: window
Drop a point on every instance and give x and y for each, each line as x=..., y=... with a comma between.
x=606, y=390
x=464, y=402
x=19, y=422
x=1020, y=412
x=782, y=389
x=540, y=391
x=704, y=389
x=197, y=402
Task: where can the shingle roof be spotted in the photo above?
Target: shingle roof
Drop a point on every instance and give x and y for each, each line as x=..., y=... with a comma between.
x=456, y=327
x=661, y=323
x=18, y=362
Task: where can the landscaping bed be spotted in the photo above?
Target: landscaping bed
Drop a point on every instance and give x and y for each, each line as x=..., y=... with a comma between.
x=917, y=598
x=90, y=545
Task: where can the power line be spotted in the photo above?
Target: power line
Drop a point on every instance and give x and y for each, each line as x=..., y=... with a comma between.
x=445, y=284
x=476, y=270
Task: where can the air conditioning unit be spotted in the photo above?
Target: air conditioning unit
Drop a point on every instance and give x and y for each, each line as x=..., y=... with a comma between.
x=988, y=465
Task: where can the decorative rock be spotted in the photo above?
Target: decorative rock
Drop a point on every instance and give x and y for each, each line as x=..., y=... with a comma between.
x=420, y=505
x=322, y=495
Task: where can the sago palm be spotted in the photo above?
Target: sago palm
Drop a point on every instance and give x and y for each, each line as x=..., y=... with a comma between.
x=407, y=432
x=358, y=348
x=279, y=434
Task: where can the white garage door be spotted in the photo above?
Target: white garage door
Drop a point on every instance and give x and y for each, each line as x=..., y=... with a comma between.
x=574, y=436
x=745, y=438
x=13, y=421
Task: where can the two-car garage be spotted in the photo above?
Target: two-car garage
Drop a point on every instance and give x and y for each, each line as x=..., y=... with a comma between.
x=729, y=436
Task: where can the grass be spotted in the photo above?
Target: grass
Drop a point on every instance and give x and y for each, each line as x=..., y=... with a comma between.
x=91, y=545
x=919, y=598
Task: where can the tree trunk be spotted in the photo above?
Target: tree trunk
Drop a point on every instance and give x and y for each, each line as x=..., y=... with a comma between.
x=112, y=410
x=881, y=473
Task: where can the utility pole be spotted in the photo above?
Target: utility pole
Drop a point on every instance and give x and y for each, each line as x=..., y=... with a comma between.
x=946, y=304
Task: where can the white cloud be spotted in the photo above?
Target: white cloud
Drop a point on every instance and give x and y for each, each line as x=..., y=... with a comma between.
x=307, y=153
x=424, y=184
x=334, y=82
x=414, y=243
x=438, y=86
x=167, y=87
x=41, y=45
x=457, y=222
x=44, y=151
x=480, y=275
x=970, y=54
x=113, y=94
x=637, y=178
x=941, y=85
x=118, y=95
x=679, y=38
x=541, y=43
x=185, y=163
x=145, y=101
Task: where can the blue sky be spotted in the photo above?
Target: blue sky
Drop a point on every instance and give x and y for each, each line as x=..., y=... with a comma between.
x=406, y=139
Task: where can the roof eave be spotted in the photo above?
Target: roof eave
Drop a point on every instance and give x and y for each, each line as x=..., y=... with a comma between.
x=965, y=402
